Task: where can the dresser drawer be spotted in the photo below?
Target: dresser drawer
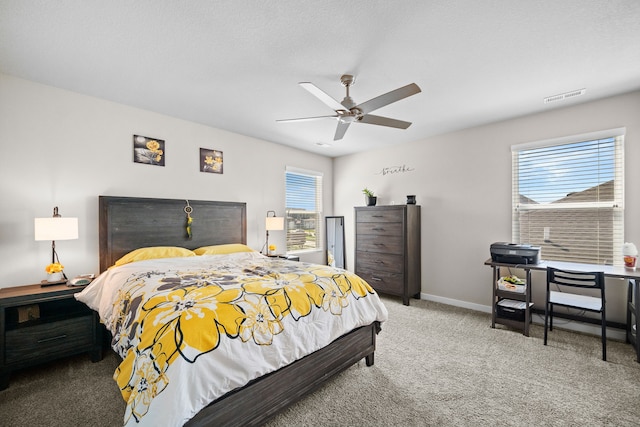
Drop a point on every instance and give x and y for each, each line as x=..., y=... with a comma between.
x=391, y=283
x=379, y=215
x=374, y=262
x=379, y=228
x=380, y=244
x=41, y=340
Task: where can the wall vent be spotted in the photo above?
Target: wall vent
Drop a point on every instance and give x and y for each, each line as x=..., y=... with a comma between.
x=564, y=96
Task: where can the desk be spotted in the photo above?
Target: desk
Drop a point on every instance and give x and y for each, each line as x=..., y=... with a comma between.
x=633, y=293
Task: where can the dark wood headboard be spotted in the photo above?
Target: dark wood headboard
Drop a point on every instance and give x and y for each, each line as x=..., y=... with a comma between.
x=128, y=223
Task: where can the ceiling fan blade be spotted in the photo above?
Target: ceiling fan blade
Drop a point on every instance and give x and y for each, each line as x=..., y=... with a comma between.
x=303, y=119
x=384, y=121
x=341, y=130
x=322, y=96
x=389, y=97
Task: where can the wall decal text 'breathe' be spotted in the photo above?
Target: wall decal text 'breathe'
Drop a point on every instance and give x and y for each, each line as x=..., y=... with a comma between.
x=390, y=170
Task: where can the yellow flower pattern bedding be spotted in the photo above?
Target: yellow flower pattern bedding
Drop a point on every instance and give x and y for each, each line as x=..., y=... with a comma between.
x=191, y=329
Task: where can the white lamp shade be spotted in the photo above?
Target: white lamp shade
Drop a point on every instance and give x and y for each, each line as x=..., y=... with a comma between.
x=274, y=223
x=56, y=228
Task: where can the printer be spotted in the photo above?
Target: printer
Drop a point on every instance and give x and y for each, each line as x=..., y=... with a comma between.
x=514, y=253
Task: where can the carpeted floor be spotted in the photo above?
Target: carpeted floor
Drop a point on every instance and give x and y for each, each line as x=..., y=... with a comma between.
x=435, y=365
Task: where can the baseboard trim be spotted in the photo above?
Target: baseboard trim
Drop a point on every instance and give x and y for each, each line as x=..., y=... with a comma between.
x=456, y=303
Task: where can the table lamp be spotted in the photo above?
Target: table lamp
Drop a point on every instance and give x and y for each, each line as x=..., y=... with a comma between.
x=55, y=228
x=272, y=223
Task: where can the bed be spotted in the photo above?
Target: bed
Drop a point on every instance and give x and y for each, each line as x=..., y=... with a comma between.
x=308, y=356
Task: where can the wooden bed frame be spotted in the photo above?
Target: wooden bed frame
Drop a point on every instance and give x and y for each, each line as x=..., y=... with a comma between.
x=128, y=223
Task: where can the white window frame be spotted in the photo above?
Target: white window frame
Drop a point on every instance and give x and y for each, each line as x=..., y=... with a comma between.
x=543, y=236
x=290, y=213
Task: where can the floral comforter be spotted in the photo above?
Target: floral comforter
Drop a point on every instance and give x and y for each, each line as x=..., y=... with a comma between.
x=191, y=329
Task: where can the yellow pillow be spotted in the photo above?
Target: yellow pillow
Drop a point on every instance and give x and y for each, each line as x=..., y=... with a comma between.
x=153, y=253
x=223, y=249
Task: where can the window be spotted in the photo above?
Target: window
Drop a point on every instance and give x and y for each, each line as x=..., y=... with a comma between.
x=568, y=197
x=303, y=209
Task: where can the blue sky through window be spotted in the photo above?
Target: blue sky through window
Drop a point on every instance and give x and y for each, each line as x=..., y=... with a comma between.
x=301, y=192
x=548, y=174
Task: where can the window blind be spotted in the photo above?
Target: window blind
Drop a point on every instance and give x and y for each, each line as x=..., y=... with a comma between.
x=303, y=209
x=568, y=197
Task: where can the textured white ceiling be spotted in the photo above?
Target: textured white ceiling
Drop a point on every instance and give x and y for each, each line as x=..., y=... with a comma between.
x=235, y=64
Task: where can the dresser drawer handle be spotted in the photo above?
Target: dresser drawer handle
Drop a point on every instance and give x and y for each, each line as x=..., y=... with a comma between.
x=378, y=216
x=377, y=229
x=59, y=337
x=376, y=279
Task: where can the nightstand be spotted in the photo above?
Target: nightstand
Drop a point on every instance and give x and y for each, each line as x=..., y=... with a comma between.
x=284, y=256
x=39, y=324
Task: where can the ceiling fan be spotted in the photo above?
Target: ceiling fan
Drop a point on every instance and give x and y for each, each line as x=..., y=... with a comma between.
x=347, y=111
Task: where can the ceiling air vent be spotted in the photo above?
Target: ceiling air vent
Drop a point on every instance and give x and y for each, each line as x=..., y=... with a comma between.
x=564, y=96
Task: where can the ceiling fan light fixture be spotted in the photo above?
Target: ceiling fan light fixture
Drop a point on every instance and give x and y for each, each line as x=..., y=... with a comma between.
x=348, y=118
x=348, y=111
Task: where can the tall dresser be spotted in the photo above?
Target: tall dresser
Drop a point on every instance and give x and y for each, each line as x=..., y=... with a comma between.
x=388, y=249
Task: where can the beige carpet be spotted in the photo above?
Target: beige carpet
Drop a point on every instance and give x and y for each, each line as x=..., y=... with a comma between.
x=435, y=365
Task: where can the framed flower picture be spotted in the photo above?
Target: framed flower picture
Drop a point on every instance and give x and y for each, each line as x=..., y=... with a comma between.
x=210, y=160
x=148, y=150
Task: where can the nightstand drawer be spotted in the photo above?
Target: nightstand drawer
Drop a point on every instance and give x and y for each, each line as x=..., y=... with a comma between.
x=49, y=338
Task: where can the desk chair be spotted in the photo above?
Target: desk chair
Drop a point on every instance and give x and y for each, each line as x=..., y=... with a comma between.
x=566, y=280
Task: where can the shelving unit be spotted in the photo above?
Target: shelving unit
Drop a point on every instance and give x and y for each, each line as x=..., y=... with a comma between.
x=500, y=295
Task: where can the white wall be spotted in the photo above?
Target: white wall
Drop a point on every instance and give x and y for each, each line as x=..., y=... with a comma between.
x=60, y=148
x=462, y=180
x=65, y=149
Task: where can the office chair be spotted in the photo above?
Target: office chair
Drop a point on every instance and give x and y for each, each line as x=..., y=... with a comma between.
x=565, y=280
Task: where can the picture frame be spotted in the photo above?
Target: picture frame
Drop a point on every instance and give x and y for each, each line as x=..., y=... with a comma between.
x=149, y=151
x=211, y=161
